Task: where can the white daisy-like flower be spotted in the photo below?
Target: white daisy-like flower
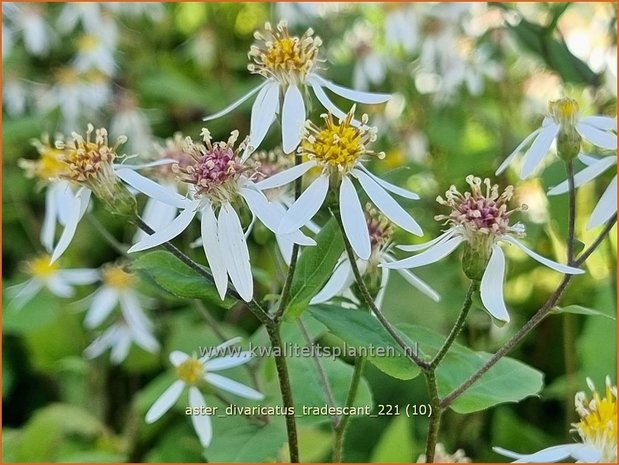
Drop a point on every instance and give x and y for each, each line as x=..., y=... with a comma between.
x=119, y=337
x=14, y=96
x=342, y=278
x=401, y=26
x=607, y=205
x=88, y=14
x=289, y=65
x=598, y=130
x=480, y=220
x=130, y=119
x=95, y=53
x=193, y=372
x=44, y=274
x=370, y=64
x=597, y=429
x=219, y=185
x=28, y=20
x=338, y=149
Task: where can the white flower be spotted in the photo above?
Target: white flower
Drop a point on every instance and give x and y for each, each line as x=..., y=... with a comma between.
x=95, y=53
x=192, y=372
x=29, y=21
x=597, y=429
x=607, y=205
x=337, y=149
x=88, y=14
x=289, y=65
x=218, y=182
x=370, y=64
x=129, y=119
x=402, y=26
x=380, y=230
x=14, y=96
x=563, y=115
x=119, y=337
x=480, y=220
x=48, y=275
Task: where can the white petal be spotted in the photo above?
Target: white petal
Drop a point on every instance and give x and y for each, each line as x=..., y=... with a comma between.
x=238, y=102
x=157, y=215
x=550, y=454
x=371, y=98
x=201, y=423
x=152, y=189
x=306, y=206
x=415, y=281
x=388, y=186
x=145, y=339
x=132, y=311
x=263, y=113
x=80, y=275
x=340, y=280
x=387, y=205
x=65, y=196
x=260, y=206
x=353, y=219
x=177, y=357
x=101, y=344
x=543, y=260
x=235, y=253
x=82, y=197
x=329, y=105
x=104, y=301
x=165, y=401
x=433, y=254
x=48, y=228
x=539, y=148
x=491, y=288
x=213, y=250
x=604, y=123
x=23, y=293
x=221, y=349
x=121, y=348
x=384, y=281
x=606, y=140
x=415, y=247
x=59, y=287
x=285, y=177
x=516, y=151
x=228, y=362
x=588, y=159
x=167, y=233
x=587, y=174
x=293, y=119
x=285, y=247
x=606, y=206
x=232, y=386
x=586, y=453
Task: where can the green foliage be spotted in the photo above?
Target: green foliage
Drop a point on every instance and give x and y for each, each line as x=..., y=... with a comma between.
x=580, y=310
x=396, y=444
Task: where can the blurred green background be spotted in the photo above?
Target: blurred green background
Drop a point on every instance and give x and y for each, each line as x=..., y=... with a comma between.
x=470, y=81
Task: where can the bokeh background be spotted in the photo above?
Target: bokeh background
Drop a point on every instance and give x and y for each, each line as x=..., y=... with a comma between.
x=470, y=81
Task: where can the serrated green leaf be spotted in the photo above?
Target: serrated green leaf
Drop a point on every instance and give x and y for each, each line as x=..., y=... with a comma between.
x=508, y=381
x=314, y=268
x=580, y=310
x=178, y=279
x=360, y=329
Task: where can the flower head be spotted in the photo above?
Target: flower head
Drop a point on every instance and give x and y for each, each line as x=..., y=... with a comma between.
x=49, y=166
x=289, y=59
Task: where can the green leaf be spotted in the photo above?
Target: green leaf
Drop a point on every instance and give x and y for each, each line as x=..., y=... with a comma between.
x=314, y=268
x=361, y=330
x=508, y=381
x=580, y=310
x=178, y=279
x=396, y=443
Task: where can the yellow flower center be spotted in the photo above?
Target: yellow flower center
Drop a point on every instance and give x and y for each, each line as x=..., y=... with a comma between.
x=338, y=145
x=41, y=267
x=50, y=164
x=564, y=111
x=88, y=43
x=190, y=371
x=118, y=278
x=598, y=421
x=288, y=59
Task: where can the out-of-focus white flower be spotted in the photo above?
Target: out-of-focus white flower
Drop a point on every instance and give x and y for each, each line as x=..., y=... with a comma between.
x=14, y=96
x=563, y=116
x=88, y=14
x=202, y=47
x=607, y=205
x=380, y=230
x=597, y=429
x=129, y=119
x=304, y=13
x=480, y=220
x=28, y=20
x=289, y=64
x=402, y=26
x=338, y=150
x=218, y=183
x=370, y=64
x=94, y=53
x=193, y=372
x=153, y=11
x=442, y=456
x=119, y=337
x=44, y=274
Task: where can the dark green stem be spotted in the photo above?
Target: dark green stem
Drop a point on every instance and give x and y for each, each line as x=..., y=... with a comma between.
x=571, y=225
x=435, y=416
x=340, y=430
x=458, y=325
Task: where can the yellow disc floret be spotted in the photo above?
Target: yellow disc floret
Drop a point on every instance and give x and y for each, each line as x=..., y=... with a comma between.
x=564, y=111
x=338, y=145
x=190, y=371
x=49, y=166
x=41, y=267
x=598, y=420
x=115, y=276
x=285, y=58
